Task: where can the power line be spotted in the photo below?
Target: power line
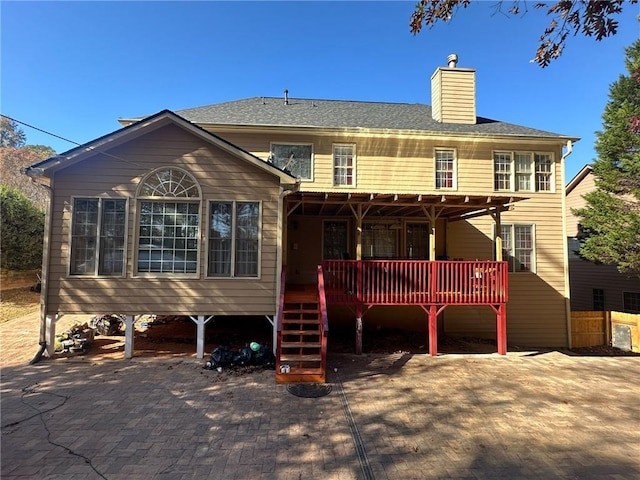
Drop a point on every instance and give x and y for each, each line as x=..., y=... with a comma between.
x=39, y=129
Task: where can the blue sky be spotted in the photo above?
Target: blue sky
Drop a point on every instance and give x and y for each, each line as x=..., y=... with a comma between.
x=74, y=68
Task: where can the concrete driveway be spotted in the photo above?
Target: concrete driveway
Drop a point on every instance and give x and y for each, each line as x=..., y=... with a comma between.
x=528, y=415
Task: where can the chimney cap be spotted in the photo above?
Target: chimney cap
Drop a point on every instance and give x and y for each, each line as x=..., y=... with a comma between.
x=452, y=60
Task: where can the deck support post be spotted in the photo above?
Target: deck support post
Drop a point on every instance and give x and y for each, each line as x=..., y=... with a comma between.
x=501, y=315
x=359, y=333
x=50, y=334
x=433, y=330
x=200, y=322
x=129, y=323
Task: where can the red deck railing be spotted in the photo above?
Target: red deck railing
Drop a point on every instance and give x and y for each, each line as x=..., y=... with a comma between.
x=415, y=282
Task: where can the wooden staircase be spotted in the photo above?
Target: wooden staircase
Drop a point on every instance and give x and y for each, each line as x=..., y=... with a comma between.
x=301, y=350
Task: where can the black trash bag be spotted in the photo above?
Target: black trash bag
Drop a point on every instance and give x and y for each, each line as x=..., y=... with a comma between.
x=109, y=324
x=243, y=356
x=222, y=356
x=264, y=357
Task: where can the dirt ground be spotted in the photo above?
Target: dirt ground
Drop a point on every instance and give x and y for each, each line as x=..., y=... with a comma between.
x=176, y=336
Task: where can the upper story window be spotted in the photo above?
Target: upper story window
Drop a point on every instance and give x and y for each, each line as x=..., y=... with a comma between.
x=518, y=244
x=296, y=158
x=631, y=302
x=523, y=171
x=234, y=239
x=445, y=168
x=169, y=223
x=98, y=233
x=344, y=163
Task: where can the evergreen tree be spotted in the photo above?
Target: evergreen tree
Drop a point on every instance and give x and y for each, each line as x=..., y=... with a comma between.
x=611, y=220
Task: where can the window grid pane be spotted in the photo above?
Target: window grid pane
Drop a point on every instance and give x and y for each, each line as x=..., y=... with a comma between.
x=502, y=168
x=523, y=171
x=84, y=239
x=334, y=244
x=343, y=165
x=247, y=225
x=418, y=241
x=543, y=172
x=168, y=237
x=598, y=299
x=631, y=302
x=112, y=237
x=444, y=168
x=220, y=239
x=171, y=183
x=296, y=159
x=523, y=247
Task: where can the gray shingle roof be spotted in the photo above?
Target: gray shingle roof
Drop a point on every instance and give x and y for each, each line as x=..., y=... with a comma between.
x=269, y=111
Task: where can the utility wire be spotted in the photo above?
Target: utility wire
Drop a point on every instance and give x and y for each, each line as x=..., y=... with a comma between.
x=39, y=129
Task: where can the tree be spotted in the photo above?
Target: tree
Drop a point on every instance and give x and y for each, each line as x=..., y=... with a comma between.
x=611, y=219
x=591, y=18
x=15, y=155
x=21, y=231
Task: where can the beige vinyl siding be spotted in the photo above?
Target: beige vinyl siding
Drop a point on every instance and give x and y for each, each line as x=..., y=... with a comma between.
x=453, y=93
x=221, y=177
x=574, y=200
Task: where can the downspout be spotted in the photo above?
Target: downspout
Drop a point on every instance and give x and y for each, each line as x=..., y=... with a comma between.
x=565, y=248
x=44, y=280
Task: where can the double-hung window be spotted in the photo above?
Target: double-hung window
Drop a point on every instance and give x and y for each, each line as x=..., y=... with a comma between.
x=295, y=158
x=169, y=223
x=445, y=168
x=344, y=162
x=98, y=236
x=518, y=247
x=523, y=171
x=234, y=239
x=631, y=302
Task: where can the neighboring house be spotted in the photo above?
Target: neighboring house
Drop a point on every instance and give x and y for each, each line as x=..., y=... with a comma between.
x=407, y=208
x=594, y=286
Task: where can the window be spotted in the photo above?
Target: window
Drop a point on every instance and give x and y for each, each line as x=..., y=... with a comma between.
x=543, y=172
x=234, y=239
x=445, y=169
x=335, y=240
x=518, y=247
x=502, y=169
x=631, y=302
x=295, y=158
x=598, y=299
x=379, y=240
x=98, y=236
x=417, y=237
x=344, y=165
x=169, y=223
x=523, y=171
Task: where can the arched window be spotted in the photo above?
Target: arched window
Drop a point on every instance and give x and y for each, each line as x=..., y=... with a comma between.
x=169, y=223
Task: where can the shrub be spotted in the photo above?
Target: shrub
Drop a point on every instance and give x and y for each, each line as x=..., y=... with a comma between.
x=21, y=231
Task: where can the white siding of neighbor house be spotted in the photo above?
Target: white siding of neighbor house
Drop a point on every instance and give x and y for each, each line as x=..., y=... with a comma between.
x=221, y=177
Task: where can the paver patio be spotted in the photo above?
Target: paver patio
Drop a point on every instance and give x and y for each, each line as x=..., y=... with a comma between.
x=399, y=416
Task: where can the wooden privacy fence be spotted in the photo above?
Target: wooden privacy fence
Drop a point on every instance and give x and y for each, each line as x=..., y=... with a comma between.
x=589, y=329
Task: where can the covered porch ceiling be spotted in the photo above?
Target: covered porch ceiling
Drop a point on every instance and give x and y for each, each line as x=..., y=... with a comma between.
x=451, y=206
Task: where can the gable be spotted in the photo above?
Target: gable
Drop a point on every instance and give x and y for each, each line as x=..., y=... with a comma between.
x=108, y=144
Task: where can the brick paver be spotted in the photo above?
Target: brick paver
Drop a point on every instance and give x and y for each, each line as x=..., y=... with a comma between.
x=526, y=415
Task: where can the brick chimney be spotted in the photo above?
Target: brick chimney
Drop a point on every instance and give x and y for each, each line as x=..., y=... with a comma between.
x=453, y=93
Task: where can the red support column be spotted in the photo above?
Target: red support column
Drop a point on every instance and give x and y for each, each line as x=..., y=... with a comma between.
x=433, y=330
x=501, y=315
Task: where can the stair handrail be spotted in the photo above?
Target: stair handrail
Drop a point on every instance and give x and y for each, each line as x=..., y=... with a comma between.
x=279, y=316
x=324, y=324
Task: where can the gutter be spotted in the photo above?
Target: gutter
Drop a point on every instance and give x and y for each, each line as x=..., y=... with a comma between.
x=565, y=247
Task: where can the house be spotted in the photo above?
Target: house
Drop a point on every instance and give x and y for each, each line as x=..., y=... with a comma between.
x=596, y=287
x=315, y=212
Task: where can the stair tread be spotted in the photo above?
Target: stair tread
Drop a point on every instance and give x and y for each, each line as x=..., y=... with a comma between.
x=286, y=344
x=295, y=357
x=300, y=320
